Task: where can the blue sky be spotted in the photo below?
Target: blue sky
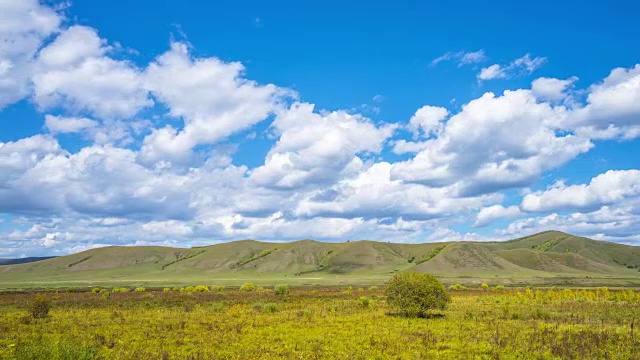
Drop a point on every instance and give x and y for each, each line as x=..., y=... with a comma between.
x=185, y=125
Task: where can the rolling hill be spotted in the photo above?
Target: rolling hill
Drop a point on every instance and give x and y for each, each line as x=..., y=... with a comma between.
x=550, y=258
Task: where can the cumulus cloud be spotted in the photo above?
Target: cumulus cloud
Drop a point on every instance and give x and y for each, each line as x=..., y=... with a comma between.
x=608, y=188
x=551, y=89
x=66, y=125
x=211, y=97
x=315, y=148
x=483, y=148
x=427, y=120
x=612, y=109
x=490, y=214
x=24, y=26
x=75, y=72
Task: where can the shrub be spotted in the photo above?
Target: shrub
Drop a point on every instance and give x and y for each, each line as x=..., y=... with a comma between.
x=414, y=294
x=365, y=302
x=260, y=289
x=102, y=291
x=281, y=289
x=270, y=308
x=120, y=290
x=484, y=287
x=95, y=290
x=166, y=289
x=39, y=307
x=189, y=289
x=457, y=287
x=218, y=288
x=498, y=288
x=106, y=295
x=373, y=288
x=140, y=289
x=201, y=288
x=176, y=289
x=247, y=287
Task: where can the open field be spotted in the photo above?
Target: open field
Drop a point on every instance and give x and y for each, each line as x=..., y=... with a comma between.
x=550, y=258
x=336, y=323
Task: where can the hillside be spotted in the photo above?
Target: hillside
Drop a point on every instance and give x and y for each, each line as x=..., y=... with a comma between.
x=550, y=258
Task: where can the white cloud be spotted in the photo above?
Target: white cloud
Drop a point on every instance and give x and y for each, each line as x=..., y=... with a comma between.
x=608, y=188
x=74, y=72
x=65, y=125
x=490, y=214
x=318, y=148
x=24, y=26
x=427, y=120
x=494, y=71
x=210, y=96
x=404, y=147
x=484, y=149
x=617, y=223
x=462, y=57
x=550, y=89
x=520, y=66
x=373, y=194
x=613, y=107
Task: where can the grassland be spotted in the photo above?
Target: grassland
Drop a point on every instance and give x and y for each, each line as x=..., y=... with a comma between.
x=545, y=259
x=322, y=323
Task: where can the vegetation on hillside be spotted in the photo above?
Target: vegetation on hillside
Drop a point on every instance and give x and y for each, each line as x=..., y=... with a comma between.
x=189, y=256
x=431, y=254
x=255, y=257
x=547, y=245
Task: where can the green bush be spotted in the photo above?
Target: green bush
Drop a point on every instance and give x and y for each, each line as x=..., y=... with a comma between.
x=218, y=288
x=270, y=308
x=201, y=288
x=140, y=289
x=102, y=291
x=457, y=287
x=414, y=294
x=166, y=289
x=373, y=288
x=95, y=290
x=39, y=307
x=281, y=289
x=498, y=288
x=484, y=287
x=247, y=287
x=365, y=302
x=120, y=290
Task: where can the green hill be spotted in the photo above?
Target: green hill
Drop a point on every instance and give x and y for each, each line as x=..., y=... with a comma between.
x=551, y=258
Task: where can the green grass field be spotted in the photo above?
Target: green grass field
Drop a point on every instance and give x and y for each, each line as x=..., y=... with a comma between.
x=322, y=323
x=549, y=258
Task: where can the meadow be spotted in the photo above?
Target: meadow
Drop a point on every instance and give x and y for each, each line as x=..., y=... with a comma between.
x=319, y=323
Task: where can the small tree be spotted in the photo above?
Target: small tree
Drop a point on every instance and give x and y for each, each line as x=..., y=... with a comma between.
x=39, y=307
x=281, y=289
x=248, y=287
x=484, y=287
x=413, y=294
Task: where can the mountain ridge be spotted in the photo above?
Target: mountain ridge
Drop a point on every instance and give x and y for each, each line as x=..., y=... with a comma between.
x=546, y=255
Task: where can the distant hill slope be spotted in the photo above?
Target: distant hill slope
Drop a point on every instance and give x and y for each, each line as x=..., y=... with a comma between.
x=547, y=255
x=24, y=260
